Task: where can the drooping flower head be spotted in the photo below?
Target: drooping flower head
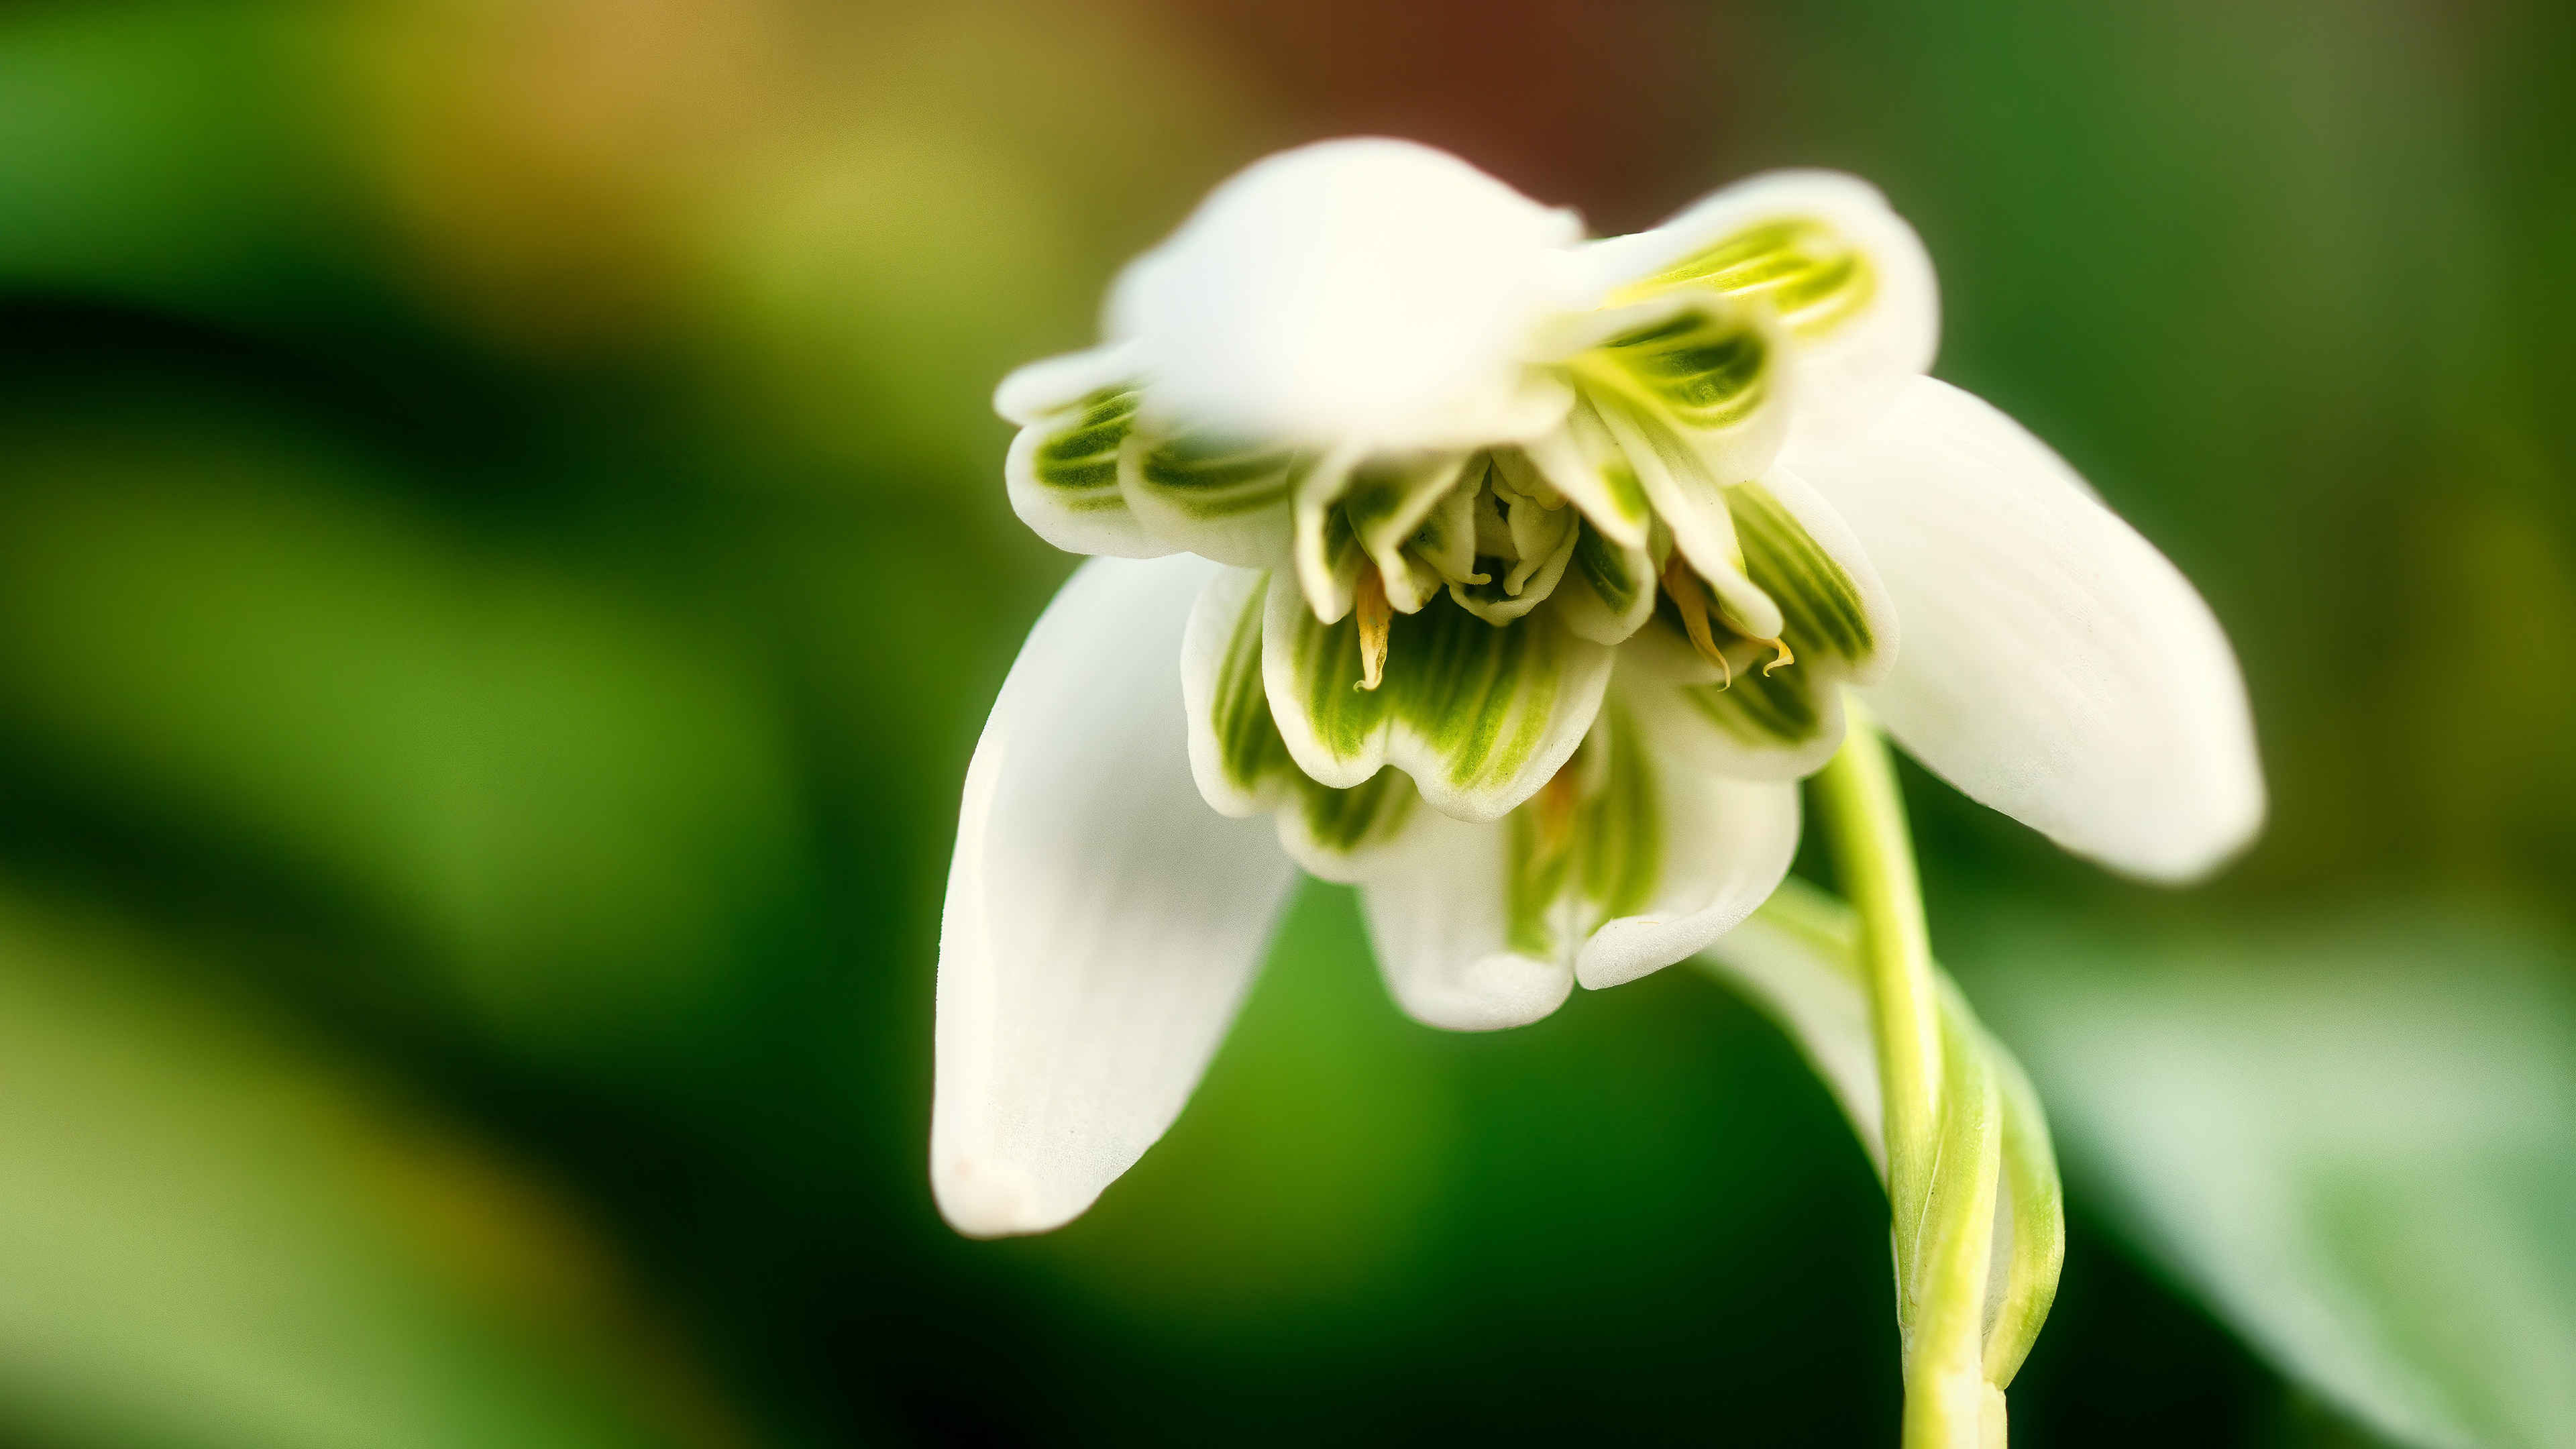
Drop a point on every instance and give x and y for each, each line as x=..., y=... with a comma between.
x=1530, y=575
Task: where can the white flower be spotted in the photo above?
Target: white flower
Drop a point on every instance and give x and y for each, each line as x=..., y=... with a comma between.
x=1518, y=579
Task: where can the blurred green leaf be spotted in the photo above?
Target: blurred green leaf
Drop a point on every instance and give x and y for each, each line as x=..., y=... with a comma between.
x=214, y=1238
x=2357, y=1140
x=166, y=150
x=574, y=804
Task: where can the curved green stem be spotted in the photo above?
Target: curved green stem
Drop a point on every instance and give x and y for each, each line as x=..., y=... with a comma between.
x=1954, y=1125
x=1874, y=856
x=1943, y=1109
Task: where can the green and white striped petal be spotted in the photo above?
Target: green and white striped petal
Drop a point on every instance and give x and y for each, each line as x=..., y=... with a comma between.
x=1077, y=414
x=1624, y=865
x=1480, y=717
x=1327, y=551
x=1608, y=592
x=1750, y=726
x=1674, y=858
x=1835, y=613
x=1709, y=370
x=1387, y=500
x=1212, y=493
x=1585, y=463
x=1692, y=392
x=1848, y=279
x=1691, y=504
x=1539, y=529
x=1240, y=762
x=1439, y=918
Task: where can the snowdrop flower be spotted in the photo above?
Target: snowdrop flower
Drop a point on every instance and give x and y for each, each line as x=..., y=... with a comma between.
x=1517, y=579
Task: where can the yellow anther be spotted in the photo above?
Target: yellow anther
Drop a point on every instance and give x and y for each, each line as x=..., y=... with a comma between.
x=1556, y=804
x=1691, y=600
x=1376, y=617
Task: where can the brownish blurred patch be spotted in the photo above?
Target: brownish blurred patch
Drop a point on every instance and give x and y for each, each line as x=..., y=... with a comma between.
x=1604, y=106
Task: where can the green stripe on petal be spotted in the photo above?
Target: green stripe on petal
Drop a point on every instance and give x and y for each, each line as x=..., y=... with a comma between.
x=1808, y=273
x=1763, y=711
x=1608, y=591
x=1622, y=826
x=1325, y=548
x=1819, y=255
x=1585, y=463
x=1062, y=474
x=1691, y=390
x=1078, y=452
x=1213, y=494
x=1336, y=824
x=1690, y=502
x=1479, y=716
x=1236, y=753
x=1541, y=859
x=1706, y=369
x=1823, y=615
x=1250, y=749
x=1388, y=499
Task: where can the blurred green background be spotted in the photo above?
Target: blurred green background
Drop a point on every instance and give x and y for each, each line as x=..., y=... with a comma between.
x=503, y=560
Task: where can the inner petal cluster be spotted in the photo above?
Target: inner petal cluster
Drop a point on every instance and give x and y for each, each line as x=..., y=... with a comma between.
x=1545, y=573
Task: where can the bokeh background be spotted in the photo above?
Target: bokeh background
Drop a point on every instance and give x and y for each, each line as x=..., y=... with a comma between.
x=503, y=560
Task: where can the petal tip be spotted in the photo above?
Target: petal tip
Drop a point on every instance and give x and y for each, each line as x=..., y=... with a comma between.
x=1496, y=993
x=985, y=1200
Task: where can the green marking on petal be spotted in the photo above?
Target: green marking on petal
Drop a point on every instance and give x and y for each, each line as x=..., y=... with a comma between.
x=1346, y=822
x=1248, y=742
x=1329, y=558
x=1584, y=462
x=1447, y=538
x=1705, y=369
x=1804, y=269
x=1541, y=858
x=1209, y=477
x=1622, y=829
x=1478, y=695
x=1469, y=710
x=1610, y=570
x=1325, y=661
x=1388, y=499
x=1078, y=451
x=1762, y=711
x=1821, y=609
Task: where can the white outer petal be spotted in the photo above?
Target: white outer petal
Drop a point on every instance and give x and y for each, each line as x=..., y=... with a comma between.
x=1102, y=923
x=1360, y=288
x=1727, y=844
x=1847, y=378
x=2056, y=667
x=1437, y=917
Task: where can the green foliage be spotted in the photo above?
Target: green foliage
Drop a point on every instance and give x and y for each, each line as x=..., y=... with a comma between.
x=2356, y=1140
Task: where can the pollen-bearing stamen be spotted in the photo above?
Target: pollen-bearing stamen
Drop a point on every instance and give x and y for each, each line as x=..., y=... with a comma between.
x=1376, y=618
x=1691, y=601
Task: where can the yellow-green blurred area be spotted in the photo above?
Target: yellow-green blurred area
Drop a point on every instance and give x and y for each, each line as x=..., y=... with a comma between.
x=503, y=559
